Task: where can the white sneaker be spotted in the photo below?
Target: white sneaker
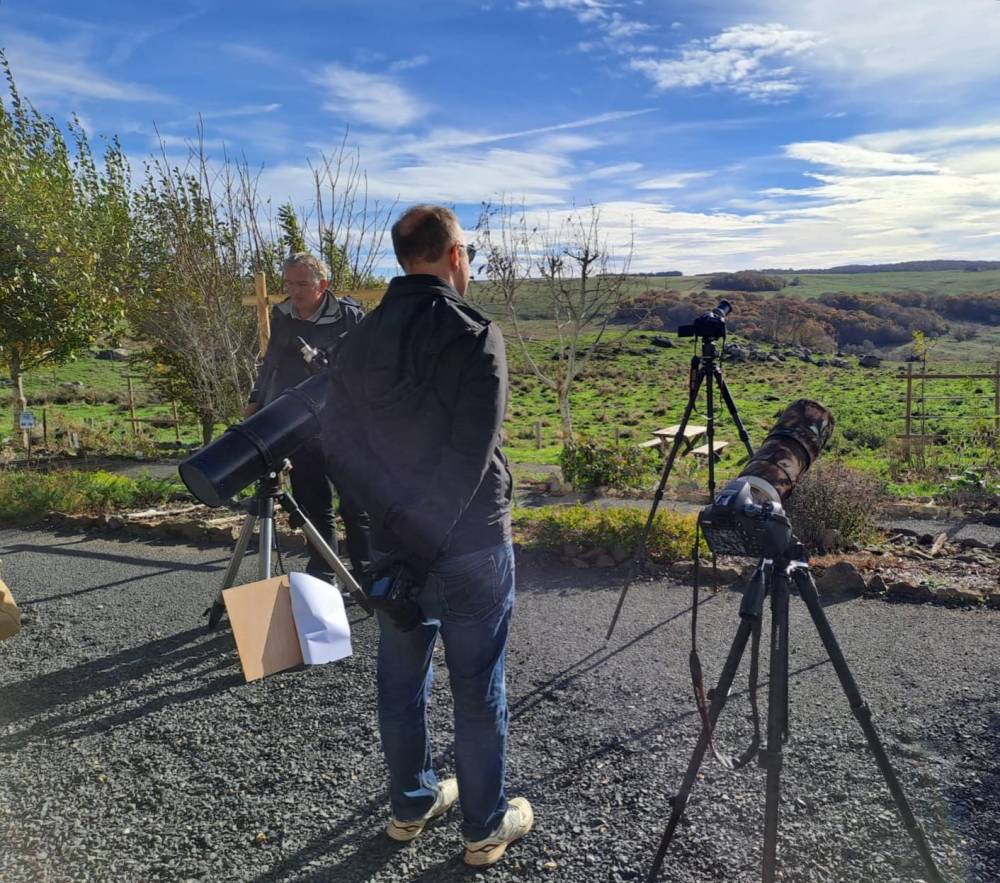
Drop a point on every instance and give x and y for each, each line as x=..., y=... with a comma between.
x=445, y=800
x=517, y=822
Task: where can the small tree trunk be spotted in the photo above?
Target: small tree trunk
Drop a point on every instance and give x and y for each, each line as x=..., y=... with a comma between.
x=207, y=428
x=20, y=400
x=564, y=414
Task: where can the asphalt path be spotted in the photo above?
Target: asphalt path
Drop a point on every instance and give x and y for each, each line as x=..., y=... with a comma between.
x=132, y=749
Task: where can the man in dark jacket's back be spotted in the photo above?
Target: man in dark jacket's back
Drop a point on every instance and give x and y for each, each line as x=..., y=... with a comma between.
x=413, y=428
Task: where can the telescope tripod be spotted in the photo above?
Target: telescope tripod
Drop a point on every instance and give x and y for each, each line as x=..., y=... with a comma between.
x=269, y=494
x=776, y=578
x=705, y=370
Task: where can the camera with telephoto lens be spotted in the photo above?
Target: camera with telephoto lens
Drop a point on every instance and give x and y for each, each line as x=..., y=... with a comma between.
x=747, y=518
x=710, y=325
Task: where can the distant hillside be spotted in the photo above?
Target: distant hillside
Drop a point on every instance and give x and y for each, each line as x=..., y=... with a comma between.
x=902, y=267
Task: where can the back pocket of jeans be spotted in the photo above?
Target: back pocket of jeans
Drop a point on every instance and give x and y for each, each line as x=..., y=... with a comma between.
x=469, y=592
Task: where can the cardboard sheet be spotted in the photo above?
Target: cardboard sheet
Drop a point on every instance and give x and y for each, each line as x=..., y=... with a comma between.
x=261, y=618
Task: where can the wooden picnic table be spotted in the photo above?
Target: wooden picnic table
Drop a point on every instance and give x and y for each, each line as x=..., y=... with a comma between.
x=692, y=435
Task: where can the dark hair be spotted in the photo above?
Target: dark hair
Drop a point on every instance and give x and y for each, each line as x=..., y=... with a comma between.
x=424, y=232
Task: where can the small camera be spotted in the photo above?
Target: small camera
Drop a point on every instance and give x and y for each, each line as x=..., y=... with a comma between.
x=710, y=325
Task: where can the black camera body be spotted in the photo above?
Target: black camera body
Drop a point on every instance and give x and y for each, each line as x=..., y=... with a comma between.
x=710, y=325
x=393, y=589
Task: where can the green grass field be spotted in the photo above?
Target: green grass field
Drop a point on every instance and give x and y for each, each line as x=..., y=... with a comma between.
x=635, y=388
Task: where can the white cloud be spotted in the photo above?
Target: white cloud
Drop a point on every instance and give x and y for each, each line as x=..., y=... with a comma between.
x=671, y=182
x=855, y=158
x=246, y=110
x=614, y=171
x=374, y=99
x=45, y=69
x=923, y=47
x=406, y=64
x=746, y=59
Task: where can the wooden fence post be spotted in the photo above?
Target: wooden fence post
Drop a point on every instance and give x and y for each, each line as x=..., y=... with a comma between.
x=263, y=317
x=909, y=410
x=177, y=422
x=538, y=434
x=45, y=428
x=131, y=406
x=996, y=398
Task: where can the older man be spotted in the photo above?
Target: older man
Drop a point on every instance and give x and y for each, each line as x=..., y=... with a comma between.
x=316, y=315
x=414, y=422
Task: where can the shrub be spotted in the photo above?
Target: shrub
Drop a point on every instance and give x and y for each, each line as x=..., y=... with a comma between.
x=836, y=497
x=868, y=432
x=552, y=527
x=589, y=463
x=28, y=496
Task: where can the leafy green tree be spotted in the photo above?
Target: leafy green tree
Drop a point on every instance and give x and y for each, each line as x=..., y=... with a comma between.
x=64, y=239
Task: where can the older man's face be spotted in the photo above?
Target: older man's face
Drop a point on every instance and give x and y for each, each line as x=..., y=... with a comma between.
x=304, y=289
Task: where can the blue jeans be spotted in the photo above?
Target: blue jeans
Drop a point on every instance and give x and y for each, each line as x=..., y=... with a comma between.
x=468, y=599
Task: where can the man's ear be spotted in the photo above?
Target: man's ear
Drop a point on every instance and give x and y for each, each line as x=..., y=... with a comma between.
x=454, y=257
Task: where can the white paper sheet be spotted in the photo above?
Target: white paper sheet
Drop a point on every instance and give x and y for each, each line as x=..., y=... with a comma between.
x=320, y=620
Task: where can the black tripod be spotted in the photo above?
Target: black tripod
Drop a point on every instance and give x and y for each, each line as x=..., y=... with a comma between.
x=703, y=368
x=269, y=493
x=775, y=578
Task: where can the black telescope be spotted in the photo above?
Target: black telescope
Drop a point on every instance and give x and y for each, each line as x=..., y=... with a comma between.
x=710, y=325
x=258, y=446
x=747, y=518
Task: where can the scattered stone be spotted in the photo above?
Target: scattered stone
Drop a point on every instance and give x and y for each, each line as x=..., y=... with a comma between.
x=939, y=542
x=870, y=361
x=840, y=363
x=664, y=342
x=960, y=595
x=841, y=579
x=113, y=355
x=877, y=585
x=904, y=591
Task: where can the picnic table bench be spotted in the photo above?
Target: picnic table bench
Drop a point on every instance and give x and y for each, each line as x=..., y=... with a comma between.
x=692, y=435
x=717, y=448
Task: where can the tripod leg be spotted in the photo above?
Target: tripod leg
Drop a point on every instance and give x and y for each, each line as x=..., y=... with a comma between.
x=776, y=715
x=316, y=540
x=731, y=407
x=218, y=607
x=640, y=549
x=718, y=701
x=802, y=576
x=266, y=539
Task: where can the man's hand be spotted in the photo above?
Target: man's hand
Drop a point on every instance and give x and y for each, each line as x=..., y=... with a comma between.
x=250, y=410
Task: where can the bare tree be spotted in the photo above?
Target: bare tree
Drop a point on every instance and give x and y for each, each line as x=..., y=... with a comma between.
x=572, y=268
x=197, y=244
x=350, y=224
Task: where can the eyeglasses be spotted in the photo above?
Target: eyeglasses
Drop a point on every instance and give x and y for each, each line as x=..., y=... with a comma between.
x=470, y=250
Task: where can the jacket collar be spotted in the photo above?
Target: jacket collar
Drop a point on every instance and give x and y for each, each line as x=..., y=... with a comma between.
x=417, y=284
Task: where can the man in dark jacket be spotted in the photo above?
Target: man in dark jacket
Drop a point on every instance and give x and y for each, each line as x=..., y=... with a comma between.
x=412, y=427
x=316, y=315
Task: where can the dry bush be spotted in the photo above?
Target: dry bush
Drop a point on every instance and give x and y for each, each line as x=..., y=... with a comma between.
x=836, y=497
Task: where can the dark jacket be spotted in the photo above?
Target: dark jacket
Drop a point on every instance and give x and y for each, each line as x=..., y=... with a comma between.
x=412, y=427
x=283, y=365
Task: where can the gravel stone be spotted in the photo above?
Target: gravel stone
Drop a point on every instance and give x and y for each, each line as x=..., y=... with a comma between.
x=132, y=749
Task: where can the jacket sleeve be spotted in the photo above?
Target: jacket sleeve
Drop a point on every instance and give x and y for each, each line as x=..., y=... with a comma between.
x=265, y=366
x=423, y=526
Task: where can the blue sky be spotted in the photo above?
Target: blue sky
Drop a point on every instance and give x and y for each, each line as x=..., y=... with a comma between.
x=726, y=133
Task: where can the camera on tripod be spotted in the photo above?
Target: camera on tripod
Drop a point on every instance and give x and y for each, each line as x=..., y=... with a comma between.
x=710, y=325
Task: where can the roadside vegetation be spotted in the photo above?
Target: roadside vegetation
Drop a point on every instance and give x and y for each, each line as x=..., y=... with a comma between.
x=29, y=496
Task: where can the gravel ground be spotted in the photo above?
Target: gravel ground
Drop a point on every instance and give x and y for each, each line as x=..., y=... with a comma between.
x=132, y=750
